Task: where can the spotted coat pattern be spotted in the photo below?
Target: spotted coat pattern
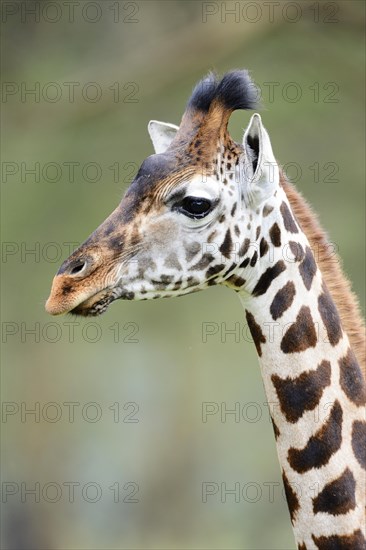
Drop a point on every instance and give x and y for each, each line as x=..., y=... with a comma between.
x=310, y=370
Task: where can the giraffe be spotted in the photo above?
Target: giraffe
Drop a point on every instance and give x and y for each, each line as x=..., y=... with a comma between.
x=205, y=210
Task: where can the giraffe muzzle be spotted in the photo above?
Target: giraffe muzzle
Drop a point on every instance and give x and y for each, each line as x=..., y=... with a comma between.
x=84, y=285
x=83, y=304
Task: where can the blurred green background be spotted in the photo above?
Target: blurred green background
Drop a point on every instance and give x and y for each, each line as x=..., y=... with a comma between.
x=139, y=376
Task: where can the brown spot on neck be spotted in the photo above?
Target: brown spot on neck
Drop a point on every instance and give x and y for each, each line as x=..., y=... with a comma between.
x=321, y=446
x=256, y=332
x=355, y=541
x=282, y=300
x=351, y=379
x=301, y=335
x=358, y=441
x=303, y=393
x=338, y=496
x=291, y=497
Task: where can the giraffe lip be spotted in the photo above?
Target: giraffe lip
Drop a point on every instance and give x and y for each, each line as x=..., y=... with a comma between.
x=95, y=305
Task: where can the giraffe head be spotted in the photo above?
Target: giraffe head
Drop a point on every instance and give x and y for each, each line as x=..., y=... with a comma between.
x=187, y=219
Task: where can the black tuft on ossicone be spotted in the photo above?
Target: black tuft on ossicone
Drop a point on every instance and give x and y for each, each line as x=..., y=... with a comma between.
x=203, y=93
x=235, y=90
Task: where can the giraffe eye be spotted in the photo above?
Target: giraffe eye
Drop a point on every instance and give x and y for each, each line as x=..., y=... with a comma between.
x=195, y=207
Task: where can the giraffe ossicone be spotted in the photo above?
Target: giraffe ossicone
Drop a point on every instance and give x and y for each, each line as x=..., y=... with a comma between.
x=205, y=210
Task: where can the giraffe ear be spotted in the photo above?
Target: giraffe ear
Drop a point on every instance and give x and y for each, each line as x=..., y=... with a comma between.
x=261, y=173
x=161, y=134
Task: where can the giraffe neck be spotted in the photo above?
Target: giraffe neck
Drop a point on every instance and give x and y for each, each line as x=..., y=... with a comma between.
x=314, y=388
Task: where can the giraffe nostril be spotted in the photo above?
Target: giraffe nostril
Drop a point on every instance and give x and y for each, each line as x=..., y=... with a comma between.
x=77, y=267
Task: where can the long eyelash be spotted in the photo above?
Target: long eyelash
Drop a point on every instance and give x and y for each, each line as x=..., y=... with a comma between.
x=178, y=196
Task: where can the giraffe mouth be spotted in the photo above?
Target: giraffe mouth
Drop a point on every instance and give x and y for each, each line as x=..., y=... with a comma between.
x=85, y=303
x=95, y=305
